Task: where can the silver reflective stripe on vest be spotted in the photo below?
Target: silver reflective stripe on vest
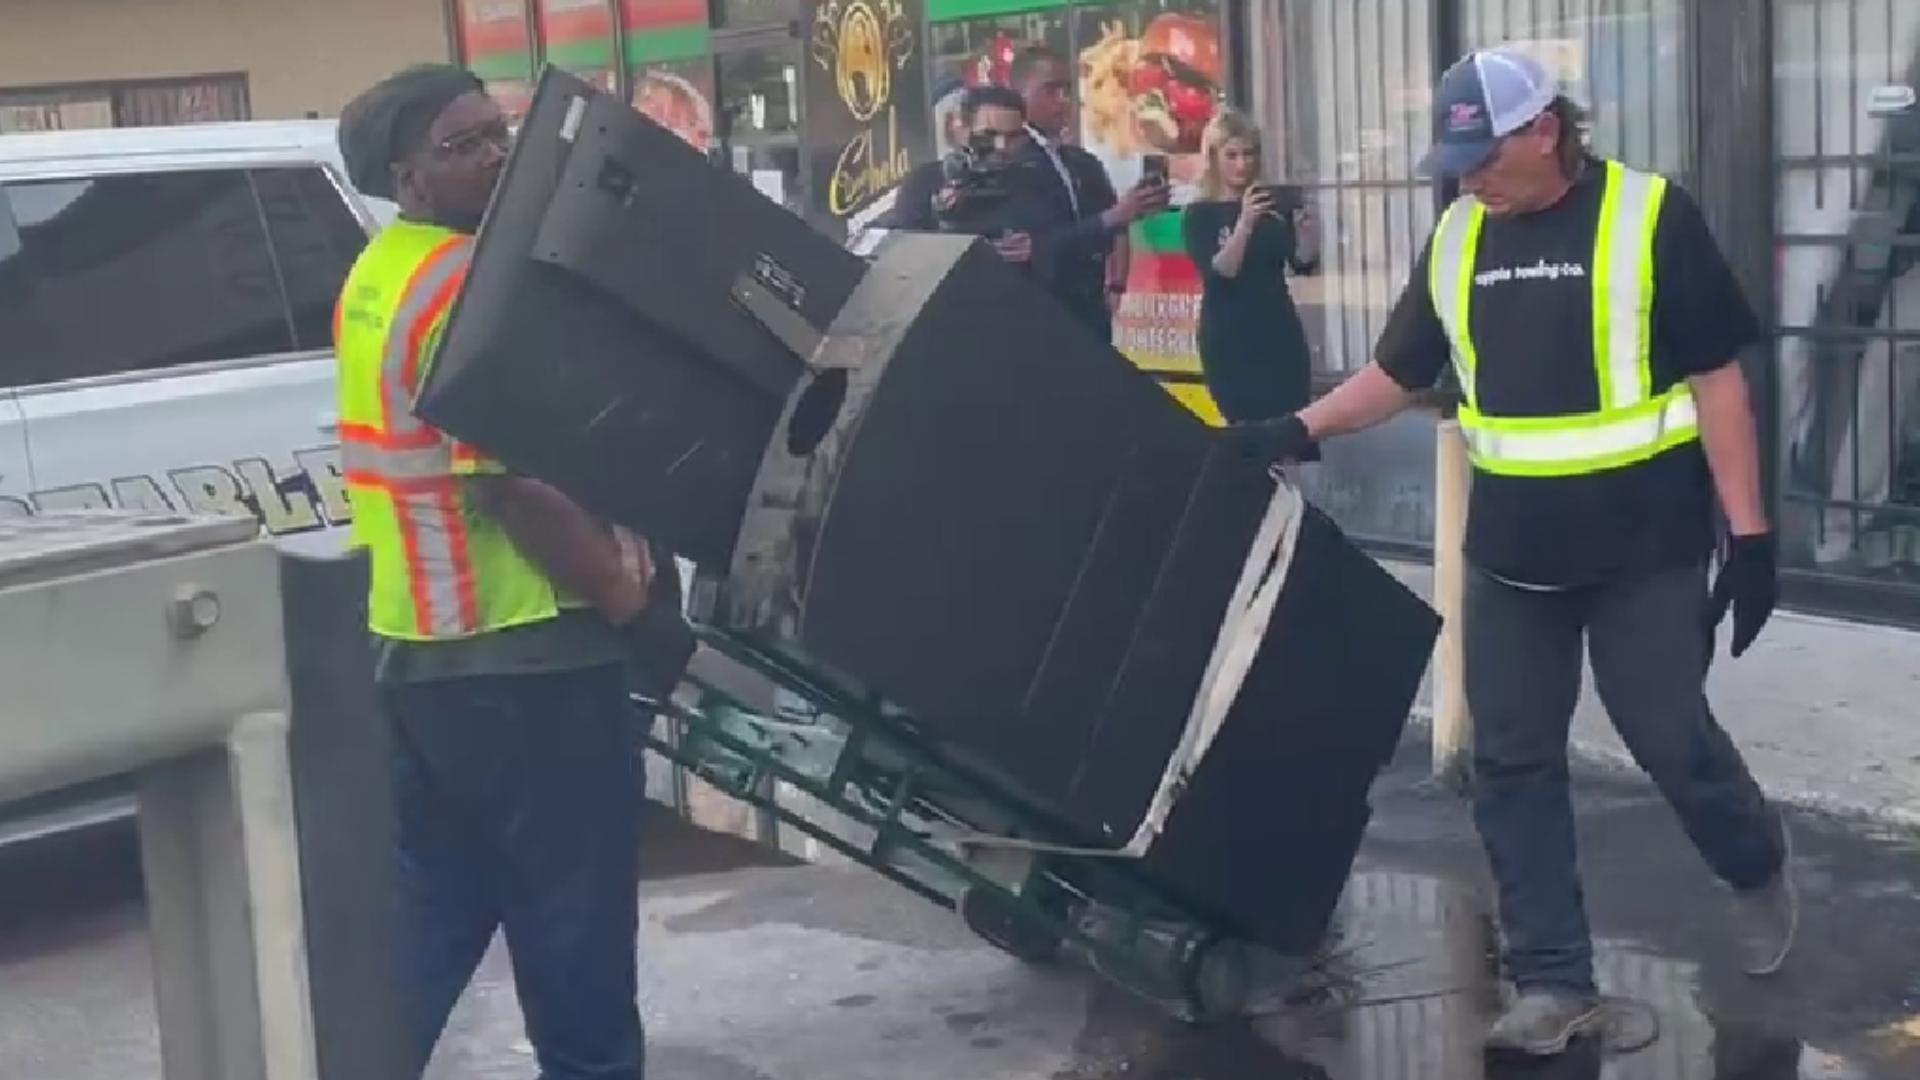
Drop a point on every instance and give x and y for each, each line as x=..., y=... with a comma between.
x=398, y=398
x=433, y=520
x=1450, y=281
x=1591, y=446
x=1624, y=259
x=427, y=463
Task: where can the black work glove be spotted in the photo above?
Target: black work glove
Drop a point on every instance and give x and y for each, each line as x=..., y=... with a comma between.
x=1749, y=583
x=1274, y=442
x=660, y=641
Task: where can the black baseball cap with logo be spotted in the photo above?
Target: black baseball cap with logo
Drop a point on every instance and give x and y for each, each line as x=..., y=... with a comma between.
x=1488, y=95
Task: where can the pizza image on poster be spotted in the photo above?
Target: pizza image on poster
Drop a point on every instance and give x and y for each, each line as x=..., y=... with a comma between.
x=675, y=103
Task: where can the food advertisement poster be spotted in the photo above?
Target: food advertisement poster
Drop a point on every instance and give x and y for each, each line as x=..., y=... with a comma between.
x=866, y=102
x=666, y=50
x=577, y=36
x=496, y=43
x=1151, y=76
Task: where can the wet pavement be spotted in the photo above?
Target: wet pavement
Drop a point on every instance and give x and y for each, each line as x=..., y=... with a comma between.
x=757, y=969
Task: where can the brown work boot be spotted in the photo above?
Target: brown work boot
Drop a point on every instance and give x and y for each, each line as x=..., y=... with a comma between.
x=1768, y=917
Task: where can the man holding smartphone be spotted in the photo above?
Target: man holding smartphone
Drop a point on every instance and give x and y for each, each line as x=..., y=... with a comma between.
x=1083, y=262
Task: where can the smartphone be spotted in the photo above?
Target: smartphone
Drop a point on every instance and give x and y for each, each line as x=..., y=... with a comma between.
x=1285, y=198
x=1153, y=169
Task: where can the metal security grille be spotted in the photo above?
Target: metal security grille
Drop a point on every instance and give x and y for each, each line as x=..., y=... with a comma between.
x=1343, y=87
x=1348, y=85
x=1624, y=60
x=1847, y=159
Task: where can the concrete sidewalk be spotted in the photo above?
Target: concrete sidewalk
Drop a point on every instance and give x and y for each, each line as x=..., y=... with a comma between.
x=1827, y=712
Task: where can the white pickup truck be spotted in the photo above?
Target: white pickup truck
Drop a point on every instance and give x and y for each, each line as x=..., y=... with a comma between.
x=166, y=332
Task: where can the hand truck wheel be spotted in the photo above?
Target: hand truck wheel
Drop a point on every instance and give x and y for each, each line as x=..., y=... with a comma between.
x=1002, y=922
x=1216, y=980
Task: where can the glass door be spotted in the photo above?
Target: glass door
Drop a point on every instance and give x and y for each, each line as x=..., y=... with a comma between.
x=759, y=105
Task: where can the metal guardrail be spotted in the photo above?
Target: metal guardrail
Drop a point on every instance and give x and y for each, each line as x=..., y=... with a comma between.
x=152, y=645
x=233, y=684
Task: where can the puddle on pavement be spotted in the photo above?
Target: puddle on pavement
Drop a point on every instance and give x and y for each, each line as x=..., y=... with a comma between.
x=1406, y=995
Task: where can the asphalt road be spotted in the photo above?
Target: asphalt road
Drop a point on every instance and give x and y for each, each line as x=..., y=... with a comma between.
x=755, y=968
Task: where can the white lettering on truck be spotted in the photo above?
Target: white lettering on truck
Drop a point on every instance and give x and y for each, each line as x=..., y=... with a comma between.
x=308, y=496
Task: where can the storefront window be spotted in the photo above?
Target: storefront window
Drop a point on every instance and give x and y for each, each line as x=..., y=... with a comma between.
x=578, y=37
x=678, y=96
x=759, y=93
x=744, y=14
x=139, y=103
x=1847, y=148
x=1342, y=92
x=978, y=51
x=668, y=68
x=496, y=43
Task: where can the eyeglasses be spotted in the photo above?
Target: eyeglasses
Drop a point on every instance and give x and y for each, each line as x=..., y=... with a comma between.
x=468, y=143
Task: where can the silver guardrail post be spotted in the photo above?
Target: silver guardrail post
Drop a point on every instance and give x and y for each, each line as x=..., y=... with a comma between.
x=152, y=645
x=1452, y=721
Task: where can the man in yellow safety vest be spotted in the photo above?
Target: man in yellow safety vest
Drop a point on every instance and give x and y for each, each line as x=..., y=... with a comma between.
x=505, y=618
x=1593, y=326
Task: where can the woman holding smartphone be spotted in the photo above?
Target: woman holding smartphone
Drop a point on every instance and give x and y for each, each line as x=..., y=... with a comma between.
x=1244, y=236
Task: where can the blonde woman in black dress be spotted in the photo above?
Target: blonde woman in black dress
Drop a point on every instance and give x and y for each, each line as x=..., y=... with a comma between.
x=1253, y=350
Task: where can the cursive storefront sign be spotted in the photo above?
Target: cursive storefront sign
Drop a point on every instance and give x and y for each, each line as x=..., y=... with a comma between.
x=866, y=122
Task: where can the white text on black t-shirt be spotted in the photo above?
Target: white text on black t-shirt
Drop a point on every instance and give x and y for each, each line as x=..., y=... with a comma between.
x=1541, y=270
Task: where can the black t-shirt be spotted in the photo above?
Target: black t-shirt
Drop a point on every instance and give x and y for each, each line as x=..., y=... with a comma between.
x=1532, y=332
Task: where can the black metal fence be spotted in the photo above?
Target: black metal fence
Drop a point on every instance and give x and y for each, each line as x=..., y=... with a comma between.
x=1846, y=161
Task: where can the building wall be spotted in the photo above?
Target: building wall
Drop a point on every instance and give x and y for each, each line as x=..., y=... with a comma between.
x=298, y=55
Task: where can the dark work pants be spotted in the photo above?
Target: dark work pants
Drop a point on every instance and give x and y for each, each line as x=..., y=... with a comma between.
x=1647, y=641
x=516, y=803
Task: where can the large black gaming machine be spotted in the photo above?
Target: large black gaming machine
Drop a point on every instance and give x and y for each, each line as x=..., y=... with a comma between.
x=916, y=476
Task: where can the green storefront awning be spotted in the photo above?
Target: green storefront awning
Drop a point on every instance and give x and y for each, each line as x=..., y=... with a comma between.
x=955, y=10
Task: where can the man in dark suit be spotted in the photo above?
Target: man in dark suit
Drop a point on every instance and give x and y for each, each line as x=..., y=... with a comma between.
x=1085, y=266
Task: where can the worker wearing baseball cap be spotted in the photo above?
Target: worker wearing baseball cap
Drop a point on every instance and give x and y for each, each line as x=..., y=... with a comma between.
x=1593, y=326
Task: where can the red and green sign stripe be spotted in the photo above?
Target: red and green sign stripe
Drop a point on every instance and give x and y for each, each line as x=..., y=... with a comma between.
x=661, y=30
x=672, y=43
x=1160, y=256
x=578, y=37
x=491, y=66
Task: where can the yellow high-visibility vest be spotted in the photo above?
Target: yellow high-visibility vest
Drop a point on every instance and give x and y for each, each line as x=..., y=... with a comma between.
x=1632, y=423
x=440, y=571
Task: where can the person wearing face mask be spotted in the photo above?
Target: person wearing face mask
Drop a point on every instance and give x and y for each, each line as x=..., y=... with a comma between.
x=507, y=625
x=1253, y=350
x=1594, y=327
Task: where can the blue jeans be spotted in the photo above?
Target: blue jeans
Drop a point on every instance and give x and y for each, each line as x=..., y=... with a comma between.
x=517, y=810
x=1649, y=647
